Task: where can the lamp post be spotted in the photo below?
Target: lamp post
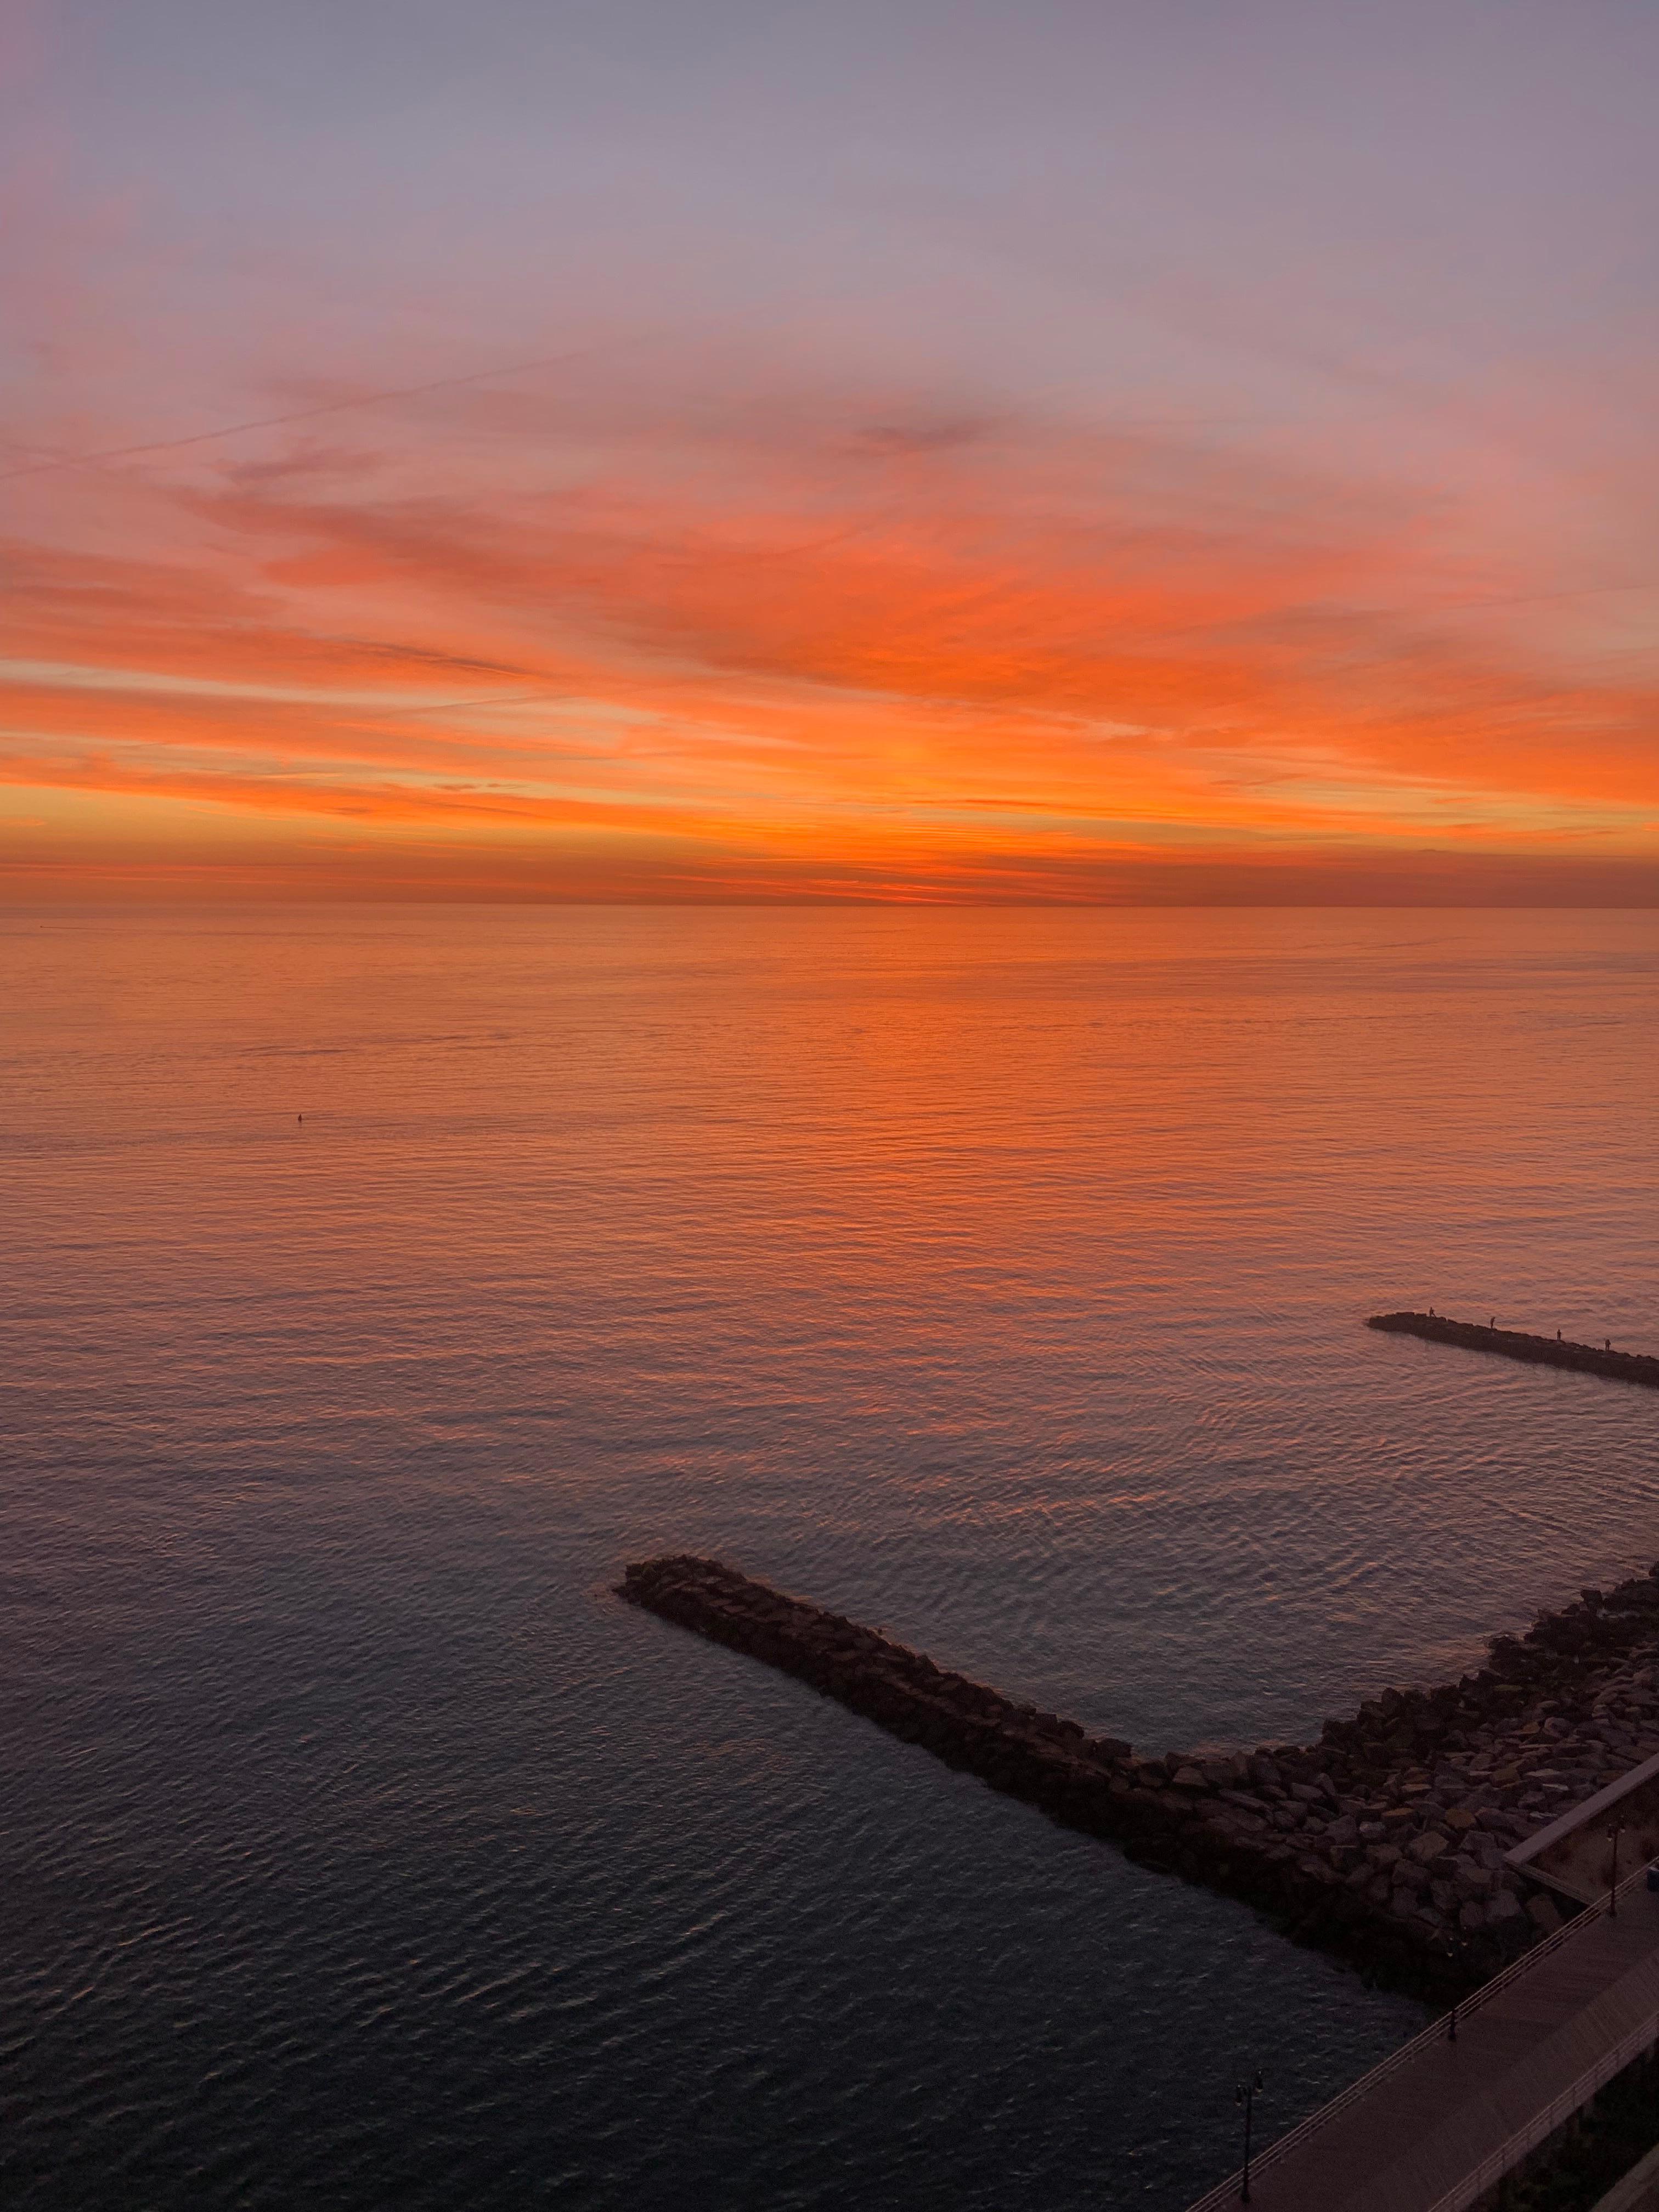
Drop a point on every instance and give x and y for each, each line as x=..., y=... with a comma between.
x=1244, y=2096
x=1613, y=1834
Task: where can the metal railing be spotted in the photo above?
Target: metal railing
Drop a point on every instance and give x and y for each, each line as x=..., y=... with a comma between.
x=1544, y=2123
x=1231, y=2191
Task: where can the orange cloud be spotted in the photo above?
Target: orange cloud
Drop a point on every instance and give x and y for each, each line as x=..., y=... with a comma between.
x=834, y=648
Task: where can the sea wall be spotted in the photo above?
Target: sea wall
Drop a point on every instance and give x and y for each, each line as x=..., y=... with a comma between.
x=1384, y=1841
x=1516, y=1344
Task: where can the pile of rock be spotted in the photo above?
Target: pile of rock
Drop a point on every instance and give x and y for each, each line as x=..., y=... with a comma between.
x=1413, y=1804
x=1386, y=1840
x=1518, y=1344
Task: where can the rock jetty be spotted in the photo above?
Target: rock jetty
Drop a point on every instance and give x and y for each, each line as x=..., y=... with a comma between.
x=1516, y=1344
x=1384, y=1841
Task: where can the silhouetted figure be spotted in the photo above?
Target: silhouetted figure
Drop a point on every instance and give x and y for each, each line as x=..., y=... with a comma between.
x=1492, y=1323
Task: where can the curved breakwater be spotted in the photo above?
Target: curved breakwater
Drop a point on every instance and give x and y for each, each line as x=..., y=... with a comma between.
x=1384, y=1841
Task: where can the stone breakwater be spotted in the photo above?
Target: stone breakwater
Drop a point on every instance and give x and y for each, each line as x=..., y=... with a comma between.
x=1516, y=1344
x=1383, y=1841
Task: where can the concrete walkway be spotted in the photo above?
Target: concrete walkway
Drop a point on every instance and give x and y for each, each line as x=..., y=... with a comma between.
x=1637, y=2192
x=1435, y=2127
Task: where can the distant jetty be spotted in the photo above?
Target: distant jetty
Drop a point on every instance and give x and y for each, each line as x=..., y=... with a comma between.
x=1516, y=1344
x=1384, y=1842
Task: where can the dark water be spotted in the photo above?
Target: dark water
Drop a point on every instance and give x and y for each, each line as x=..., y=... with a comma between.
x=993, y=1277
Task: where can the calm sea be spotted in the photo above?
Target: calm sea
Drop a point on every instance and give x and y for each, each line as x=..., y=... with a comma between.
x=995, y=1277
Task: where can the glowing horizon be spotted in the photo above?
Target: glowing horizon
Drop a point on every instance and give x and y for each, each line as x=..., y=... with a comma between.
x=822, y=524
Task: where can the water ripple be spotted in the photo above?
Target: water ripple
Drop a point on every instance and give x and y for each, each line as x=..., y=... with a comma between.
x=994, y=1278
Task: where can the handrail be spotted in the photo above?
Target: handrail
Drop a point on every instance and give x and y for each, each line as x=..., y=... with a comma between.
x=1543, y=2125
x=1230, y=2191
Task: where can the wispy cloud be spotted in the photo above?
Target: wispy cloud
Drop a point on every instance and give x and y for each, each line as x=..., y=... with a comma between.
x=696, y=622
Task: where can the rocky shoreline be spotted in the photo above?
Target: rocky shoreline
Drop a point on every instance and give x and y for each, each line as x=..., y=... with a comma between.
x=1384, y=1841
x=1516, y=1344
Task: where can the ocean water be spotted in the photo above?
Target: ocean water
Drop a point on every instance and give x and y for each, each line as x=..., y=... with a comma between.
x=995, y=1277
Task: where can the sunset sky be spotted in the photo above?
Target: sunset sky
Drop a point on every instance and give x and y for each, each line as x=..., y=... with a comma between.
x=922, y=449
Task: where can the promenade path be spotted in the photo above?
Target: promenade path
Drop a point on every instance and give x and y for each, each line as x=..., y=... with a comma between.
x=1435, y=2127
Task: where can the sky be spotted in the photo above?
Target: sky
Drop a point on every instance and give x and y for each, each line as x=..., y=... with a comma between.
x=919, y=450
